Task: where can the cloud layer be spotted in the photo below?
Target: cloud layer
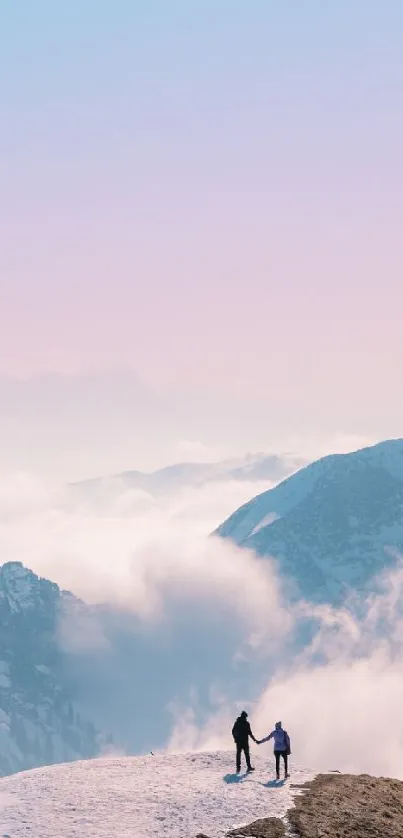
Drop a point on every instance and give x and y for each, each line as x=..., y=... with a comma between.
x=193, y=609
x=212, y=622
x=128, y=548
x=340, y=698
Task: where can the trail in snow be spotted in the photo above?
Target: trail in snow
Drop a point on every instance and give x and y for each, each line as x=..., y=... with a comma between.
x=175, y=796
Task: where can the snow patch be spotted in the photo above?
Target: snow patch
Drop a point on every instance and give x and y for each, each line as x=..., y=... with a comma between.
x=175, y=796
x=266, y=521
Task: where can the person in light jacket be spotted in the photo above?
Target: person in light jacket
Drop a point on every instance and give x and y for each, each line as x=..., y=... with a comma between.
x=282, y=747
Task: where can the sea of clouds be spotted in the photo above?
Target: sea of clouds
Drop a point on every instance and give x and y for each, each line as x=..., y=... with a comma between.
x=218, y=617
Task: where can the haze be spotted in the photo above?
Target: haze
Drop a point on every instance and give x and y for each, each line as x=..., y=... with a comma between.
x=200, y=227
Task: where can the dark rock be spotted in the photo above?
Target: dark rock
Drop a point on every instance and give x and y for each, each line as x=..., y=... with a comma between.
x=263, y=828
x=349, y=806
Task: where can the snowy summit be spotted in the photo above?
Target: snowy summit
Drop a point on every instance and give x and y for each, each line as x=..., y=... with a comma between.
x=332, y=526
x=175, y=796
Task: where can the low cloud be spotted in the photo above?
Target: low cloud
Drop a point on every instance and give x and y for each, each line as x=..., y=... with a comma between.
x=125, y=547
x=184, y=610
x=340, y=698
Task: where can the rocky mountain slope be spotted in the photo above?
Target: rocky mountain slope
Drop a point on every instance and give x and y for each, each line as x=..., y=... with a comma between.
x=332, y=525
x=39, y=722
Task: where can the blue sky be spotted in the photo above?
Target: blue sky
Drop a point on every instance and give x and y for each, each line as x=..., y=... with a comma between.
x=208, y=194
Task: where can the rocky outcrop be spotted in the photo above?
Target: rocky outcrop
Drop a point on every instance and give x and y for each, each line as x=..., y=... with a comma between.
x=263, y=828
x=337, y=806
x=349, y=806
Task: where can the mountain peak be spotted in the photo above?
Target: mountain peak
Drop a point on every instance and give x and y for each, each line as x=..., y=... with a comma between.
x=330, y=526
x=21, y=589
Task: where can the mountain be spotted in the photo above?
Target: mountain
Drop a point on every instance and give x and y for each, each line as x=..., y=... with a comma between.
x=39, y=722
x=253, y=468
x=70, y=671
x=179, y=796
x=331, y=526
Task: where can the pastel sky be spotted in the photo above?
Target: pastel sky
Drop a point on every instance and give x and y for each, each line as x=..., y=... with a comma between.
x=205, y=195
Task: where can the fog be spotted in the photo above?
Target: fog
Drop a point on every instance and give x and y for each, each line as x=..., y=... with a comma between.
x=188, y=629
x=340, y=698
x=177, y=611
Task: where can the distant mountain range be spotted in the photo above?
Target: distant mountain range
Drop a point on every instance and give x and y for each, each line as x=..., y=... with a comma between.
x=252, y=468
x=331, y=526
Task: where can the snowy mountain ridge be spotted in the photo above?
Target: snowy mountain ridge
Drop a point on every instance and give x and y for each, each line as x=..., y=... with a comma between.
x=179, y=796
x=252, y=467
x=331, y=526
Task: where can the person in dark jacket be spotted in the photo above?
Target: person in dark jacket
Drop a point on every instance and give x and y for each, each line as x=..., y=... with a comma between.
x=241, y=732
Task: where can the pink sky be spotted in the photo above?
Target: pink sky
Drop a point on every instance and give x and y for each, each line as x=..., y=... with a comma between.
x=213, y=200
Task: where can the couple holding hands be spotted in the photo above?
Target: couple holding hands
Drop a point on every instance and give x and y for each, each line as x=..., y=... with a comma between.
x=241, y=732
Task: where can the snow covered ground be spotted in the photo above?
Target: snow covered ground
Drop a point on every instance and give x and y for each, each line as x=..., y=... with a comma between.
x=175, y=796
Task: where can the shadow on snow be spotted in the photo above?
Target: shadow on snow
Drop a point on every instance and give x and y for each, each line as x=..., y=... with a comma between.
x=273, y=784
x=234, y=778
